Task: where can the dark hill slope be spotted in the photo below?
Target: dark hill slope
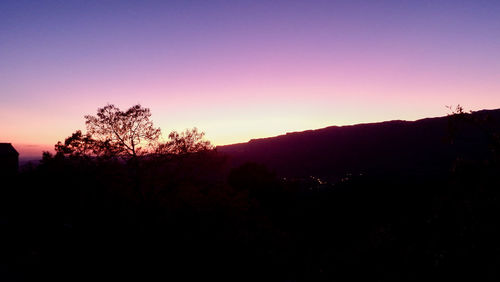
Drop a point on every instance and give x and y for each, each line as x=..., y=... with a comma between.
x=404, y=147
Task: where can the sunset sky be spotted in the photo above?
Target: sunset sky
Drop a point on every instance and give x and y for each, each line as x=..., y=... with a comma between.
x=242, y=69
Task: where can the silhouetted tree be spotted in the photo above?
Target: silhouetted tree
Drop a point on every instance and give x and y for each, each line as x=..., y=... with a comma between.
x=189, y=141
x=125, y=133
x=486, y=124
x=78, y=145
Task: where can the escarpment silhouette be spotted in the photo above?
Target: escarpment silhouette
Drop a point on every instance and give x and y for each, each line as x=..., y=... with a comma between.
x=410, y=147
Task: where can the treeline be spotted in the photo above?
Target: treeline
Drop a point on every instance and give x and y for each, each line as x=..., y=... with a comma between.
x=188, y=215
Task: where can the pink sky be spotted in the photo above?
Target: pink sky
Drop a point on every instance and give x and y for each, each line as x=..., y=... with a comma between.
x=242, y=71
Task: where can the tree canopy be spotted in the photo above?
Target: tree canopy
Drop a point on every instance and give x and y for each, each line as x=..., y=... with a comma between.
x=127, y=132
x=189, y=141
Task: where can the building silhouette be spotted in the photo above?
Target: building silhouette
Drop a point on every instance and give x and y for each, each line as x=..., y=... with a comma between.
x=9, y=159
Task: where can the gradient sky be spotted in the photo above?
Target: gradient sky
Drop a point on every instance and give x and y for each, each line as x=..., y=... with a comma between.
x=242, y=69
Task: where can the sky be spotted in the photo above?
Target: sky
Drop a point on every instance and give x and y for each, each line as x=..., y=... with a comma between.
x=240, y=70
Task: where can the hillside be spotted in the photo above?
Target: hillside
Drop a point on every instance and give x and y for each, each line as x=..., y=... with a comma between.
x=425, y=208
x=417, y=147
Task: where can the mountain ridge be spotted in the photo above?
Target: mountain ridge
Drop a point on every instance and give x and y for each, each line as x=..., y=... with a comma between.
x=420, y=146
x=483, y=111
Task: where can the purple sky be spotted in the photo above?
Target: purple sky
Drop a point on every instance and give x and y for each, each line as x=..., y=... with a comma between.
x=242, y=69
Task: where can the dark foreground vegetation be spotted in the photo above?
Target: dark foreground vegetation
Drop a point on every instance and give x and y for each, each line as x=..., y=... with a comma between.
x=188, y=212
